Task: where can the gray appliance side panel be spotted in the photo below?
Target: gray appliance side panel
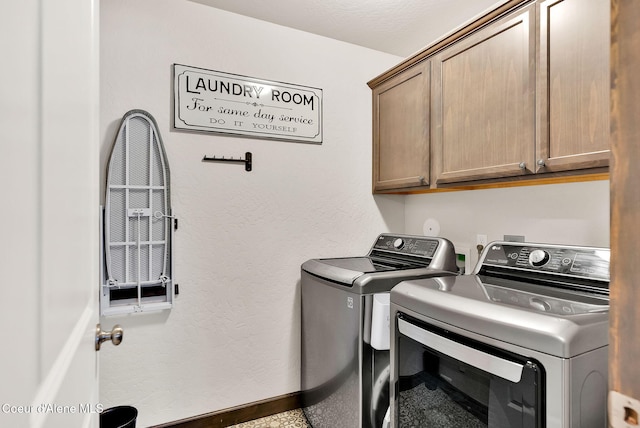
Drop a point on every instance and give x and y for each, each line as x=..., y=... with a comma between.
x=330, y=345
x=589, y=386
x=445, y=258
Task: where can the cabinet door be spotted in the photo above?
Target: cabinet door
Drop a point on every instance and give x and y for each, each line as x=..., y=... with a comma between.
x=573, y=85
x=484, y=102
x=401, y=130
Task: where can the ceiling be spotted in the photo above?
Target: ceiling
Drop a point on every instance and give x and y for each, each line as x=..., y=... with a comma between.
x=398, y=27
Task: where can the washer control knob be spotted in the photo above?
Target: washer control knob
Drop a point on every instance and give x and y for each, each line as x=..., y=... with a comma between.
x=539, y=304
x=398, y=243
x=538, y=258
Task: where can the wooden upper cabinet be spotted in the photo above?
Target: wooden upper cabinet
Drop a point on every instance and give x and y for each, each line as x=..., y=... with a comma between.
x=483, y=94
x=573, y=85
x=401, y=130
x=521, y=92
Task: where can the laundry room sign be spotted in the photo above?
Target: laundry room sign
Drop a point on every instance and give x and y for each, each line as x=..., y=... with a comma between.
x=214, y=101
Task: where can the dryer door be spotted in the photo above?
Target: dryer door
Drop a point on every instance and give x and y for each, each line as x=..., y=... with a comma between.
x=447, y=380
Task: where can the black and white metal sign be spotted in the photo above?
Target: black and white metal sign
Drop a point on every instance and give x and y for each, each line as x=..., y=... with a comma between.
x=207, y=100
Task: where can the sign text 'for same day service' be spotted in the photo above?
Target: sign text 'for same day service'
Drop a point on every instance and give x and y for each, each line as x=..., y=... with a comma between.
x=207, y=100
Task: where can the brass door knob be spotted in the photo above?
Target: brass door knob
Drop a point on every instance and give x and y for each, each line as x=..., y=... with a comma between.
x=115, y=336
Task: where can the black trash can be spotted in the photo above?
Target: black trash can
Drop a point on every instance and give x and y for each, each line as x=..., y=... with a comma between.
x=119, y=417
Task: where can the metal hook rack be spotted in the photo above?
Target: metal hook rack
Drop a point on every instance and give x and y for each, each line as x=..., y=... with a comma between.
x=247, y=161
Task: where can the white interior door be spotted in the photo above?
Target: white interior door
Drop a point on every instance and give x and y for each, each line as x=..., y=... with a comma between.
x=49, y=213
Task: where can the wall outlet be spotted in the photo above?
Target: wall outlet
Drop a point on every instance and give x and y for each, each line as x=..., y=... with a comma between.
x=481, y=240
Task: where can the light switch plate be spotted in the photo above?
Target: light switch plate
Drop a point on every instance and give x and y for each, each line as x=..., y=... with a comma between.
x=623, y=411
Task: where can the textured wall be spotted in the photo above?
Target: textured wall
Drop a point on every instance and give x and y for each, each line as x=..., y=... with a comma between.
x=233, y=337
x=571, y=213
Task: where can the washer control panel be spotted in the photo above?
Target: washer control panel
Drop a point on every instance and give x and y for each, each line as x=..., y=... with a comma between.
x=585, y=262
x=409, y=245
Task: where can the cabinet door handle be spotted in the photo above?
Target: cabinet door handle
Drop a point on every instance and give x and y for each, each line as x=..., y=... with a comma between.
x=541, y=163
x=522, y=165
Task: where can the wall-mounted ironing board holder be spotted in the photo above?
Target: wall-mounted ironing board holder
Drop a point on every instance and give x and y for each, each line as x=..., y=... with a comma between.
x=136, y=272
x=247, y=161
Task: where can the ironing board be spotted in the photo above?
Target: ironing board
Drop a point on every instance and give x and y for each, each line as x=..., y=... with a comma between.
x=137, y=215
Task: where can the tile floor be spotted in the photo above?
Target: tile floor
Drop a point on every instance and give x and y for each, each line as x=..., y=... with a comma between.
x=291, y=419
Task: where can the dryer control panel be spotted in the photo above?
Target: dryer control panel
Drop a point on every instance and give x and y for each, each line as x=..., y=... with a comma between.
x=581, y=262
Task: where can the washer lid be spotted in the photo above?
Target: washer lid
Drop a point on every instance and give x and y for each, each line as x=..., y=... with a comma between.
x=392, y=259
x=560, y=323
x=370, y=277
x=347, y=269
x=365, y=264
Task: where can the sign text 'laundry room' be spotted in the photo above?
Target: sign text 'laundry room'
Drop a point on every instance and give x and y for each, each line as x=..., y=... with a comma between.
x=207, y=100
